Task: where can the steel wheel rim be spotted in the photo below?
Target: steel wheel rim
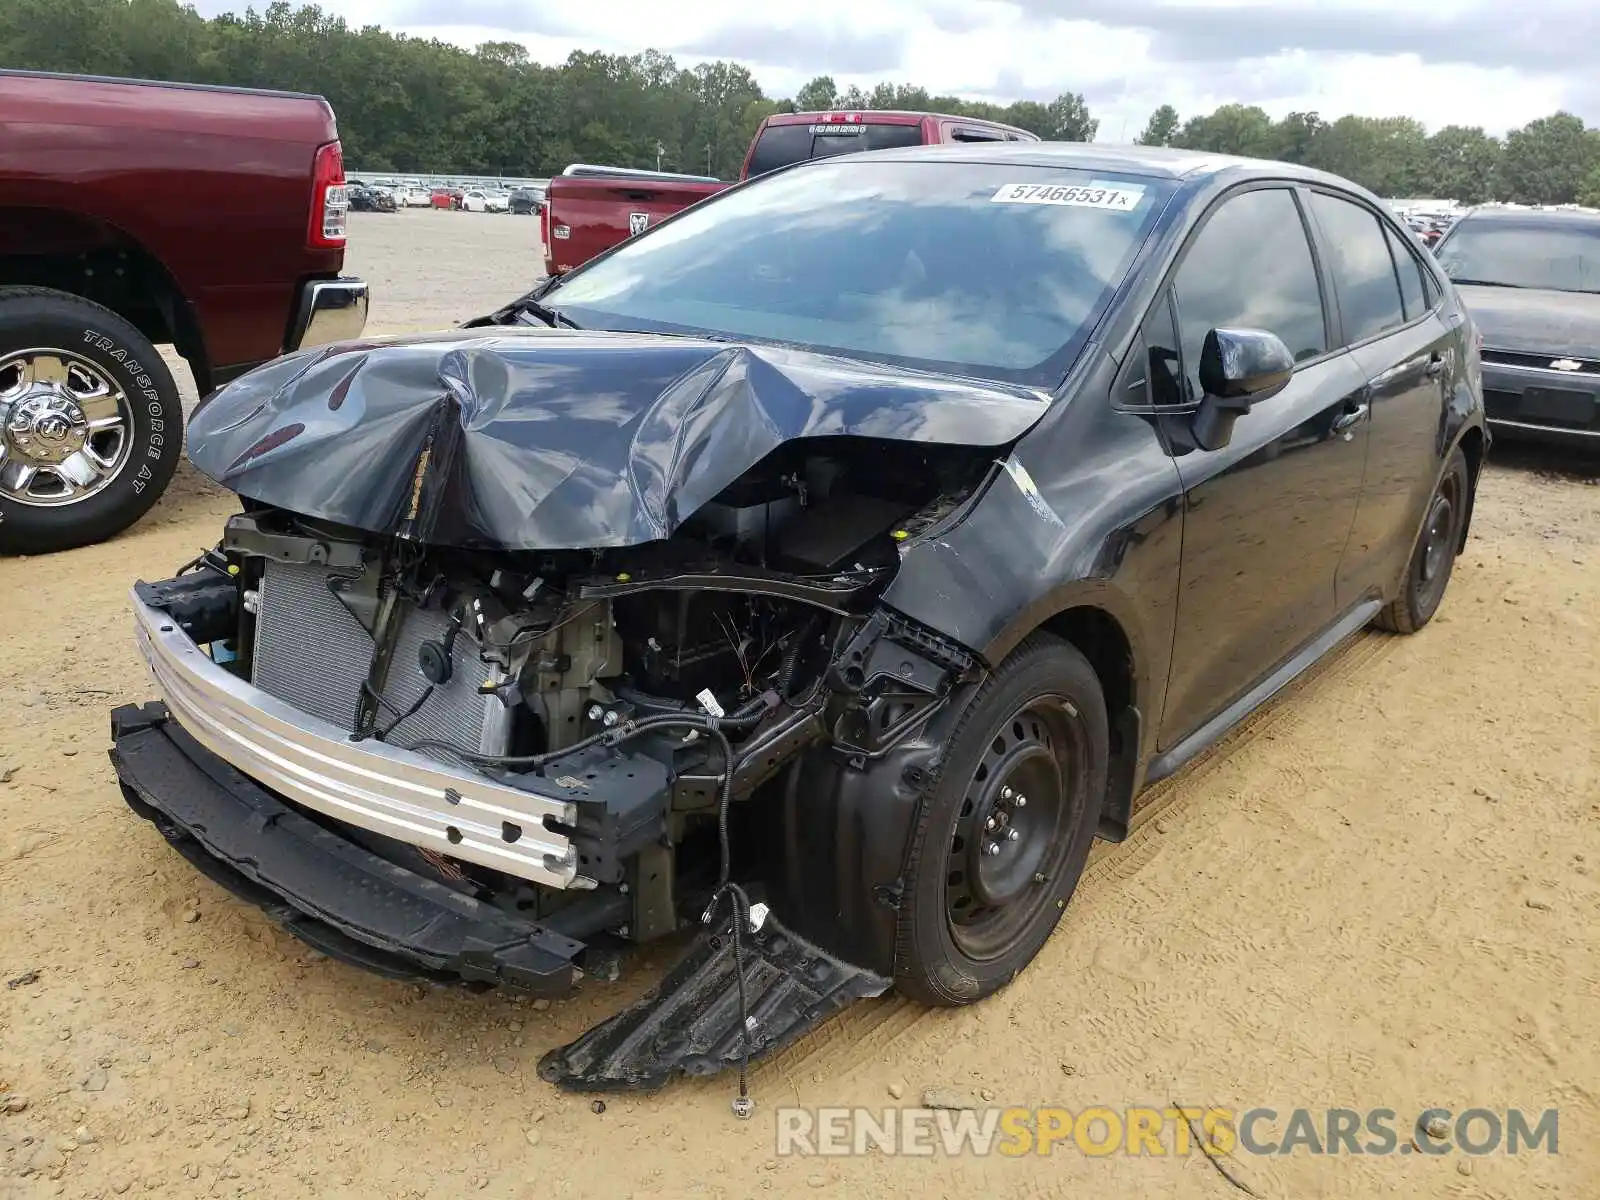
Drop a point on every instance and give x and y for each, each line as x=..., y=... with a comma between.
x=1005, y=859
x=1438, y=540
x=66, y=428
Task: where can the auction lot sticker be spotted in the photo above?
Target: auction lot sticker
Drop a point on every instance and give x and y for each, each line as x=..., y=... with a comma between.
x=1122, y=197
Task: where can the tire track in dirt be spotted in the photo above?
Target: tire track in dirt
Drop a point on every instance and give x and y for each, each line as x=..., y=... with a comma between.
x=835, y=1049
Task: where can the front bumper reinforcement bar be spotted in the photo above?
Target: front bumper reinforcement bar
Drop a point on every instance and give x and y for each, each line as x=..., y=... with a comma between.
x=454, y=811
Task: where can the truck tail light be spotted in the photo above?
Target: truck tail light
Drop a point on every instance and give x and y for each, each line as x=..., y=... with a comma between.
x=330, y=199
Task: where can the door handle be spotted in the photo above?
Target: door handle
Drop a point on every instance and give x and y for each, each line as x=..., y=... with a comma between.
x=1435, y=366
x=1350, y=416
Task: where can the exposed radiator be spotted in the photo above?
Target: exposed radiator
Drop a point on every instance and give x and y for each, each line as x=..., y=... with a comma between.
x=312, y=653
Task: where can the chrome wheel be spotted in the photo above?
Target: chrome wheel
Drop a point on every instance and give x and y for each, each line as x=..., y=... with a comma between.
x=65, y=428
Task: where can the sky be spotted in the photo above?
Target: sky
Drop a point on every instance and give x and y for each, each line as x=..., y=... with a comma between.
x=1444, y=62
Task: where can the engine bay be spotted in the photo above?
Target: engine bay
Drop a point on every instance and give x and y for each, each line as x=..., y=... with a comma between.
x=692, y=671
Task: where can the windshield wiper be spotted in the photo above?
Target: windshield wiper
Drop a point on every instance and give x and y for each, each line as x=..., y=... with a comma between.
x=550, y=316
x=1488, y=283
x=699, y=335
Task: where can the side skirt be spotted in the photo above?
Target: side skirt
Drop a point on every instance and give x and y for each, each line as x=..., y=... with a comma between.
x=1214, y=730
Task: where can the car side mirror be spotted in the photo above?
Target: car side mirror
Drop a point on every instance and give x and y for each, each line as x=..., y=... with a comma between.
x=1238, y=369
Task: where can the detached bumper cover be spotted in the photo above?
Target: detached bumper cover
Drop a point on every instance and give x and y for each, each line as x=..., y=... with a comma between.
x=342, y=899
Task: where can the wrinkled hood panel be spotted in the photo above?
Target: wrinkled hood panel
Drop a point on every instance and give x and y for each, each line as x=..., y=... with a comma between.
x=1535, y=321
x=557, y=439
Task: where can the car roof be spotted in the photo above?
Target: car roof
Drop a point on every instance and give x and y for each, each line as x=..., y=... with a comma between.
x=1519, y=215
x=1159, y=162
x=881, y=116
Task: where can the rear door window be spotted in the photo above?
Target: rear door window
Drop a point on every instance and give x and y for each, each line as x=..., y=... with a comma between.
x=781, y=145
x=966, y=133
x=1362, y=268
x=1413, y=290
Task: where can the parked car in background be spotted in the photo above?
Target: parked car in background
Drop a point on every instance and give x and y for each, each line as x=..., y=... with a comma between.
x=371, y=199
x=412, y=195
x=589, y=209
x=526, y=200
x=1531, y=279
x=484, y=200
x=446, y=198
x=103, y=256
x=910, y=513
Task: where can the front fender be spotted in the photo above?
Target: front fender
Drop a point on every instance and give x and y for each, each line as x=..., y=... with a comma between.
x=1087, y=512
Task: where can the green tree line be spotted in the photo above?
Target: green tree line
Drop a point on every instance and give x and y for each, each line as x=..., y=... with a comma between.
x=410, y=104
x=1553, y=160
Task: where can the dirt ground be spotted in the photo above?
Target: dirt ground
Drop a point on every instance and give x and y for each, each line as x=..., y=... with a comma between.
x=1385, y=892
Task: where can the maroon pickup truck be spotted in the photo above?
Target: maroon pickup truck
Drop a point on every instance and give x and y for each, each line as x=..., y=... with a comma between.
x=135, y=214
x=590, y=209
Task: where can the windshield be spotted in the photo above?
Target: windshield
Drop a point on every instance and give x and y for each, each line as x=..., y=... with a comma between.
x=1560, y=253
x=972, y=268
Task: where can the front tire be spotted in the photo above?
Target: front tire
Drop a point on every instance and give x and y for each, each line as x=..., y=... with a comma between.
x=91, y=425
x=1434, y=558
x=1003, y=836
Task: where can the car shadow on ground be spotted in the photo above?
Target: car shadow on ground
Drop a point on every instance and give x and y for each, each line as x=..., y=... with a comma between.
x=1578, y=464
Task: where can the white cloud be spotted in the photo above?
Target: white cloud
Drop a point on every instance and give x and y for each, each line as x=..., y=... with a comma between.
x=1452, y=62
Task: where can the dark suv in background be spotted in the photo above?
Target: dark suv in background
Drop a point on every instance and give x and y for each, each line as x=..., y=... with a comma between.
x=527, y=201
x=1531, y=279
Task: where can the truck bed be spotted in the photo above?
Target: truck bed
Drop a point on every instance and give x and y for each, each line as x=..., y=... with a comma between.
x=104, y=102
x=213, y=183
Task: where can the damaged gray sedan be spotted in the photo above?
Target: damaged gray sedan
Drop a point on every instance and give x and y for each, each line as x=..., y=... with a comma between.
x=815, y=574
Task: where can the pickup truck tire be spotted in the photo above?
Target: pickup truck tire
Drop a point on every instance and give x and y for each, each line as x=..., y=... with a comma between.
x=91, y=424
x=1006, y=826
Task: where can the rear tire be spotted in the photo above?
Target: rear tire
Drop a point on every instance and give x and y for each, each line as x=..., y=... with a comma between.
x=91, y=424
x=1434, y=558
x=1005, y=830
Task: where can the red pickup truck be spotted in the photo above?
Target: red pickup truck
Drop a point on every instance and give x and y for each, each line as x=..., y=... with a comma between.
x=590, y=209
x=135, y=214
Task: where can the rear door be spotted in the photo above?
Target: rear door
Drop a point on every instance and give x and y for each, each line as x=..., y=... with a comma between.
x=1389, y=318
x=1266, y=516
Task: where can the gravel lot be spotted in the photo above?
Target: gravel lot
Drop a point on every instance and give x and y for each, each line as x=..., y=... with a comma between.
x=1385, y=892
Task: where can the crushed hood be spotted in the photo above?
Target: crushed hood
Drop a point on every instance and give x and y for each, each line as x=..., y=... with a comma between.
x=524, y=439
x=1534, y=320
